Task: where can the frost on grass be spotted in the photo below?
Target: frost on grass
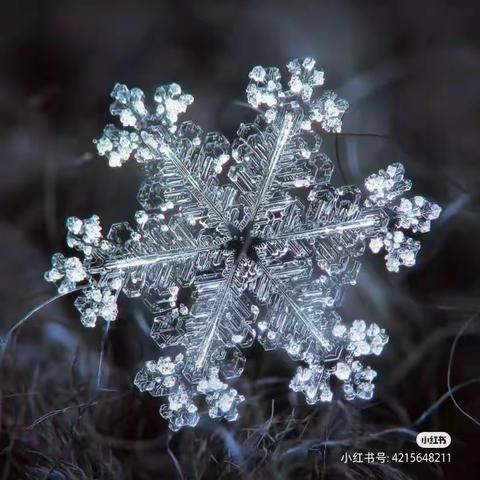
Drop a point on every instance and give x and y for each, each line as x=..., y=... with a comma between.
x=253, y=231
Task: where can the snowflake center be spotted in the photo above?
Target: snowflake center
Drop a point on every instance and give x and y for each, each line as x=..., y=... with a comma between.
x=243, y=244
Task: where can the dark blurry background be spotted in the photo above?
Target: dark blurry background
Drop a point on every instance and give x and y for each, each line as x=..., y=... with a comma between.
x=411, y=72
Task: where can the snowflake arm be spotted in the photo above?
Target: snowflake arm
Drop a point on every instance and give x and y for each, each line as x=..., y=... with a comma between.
x=211, y=334
x=302, y=321
x=149, y=262
x=179, y=157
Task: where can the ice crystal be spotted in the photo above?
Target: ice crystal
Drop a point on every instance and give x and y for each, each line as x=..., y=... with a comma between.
x=251, y=233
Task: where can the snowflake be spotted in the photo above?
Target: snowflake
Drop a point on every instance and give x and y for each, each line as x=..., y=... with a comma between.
x=252, y=234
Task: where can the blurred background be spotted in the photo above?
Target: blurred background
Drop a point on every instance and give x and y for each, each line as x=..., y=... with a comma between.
x=411, y=72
